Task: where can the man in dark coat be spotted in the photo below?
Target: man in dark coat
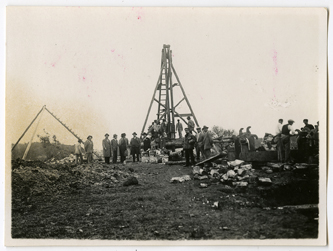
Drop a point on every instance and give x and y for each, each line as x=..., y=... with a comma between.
x=197, y=145
x=189, y=142
x=287, y=131
x=114, y=148
x=123, y=144
x=135, y=147
x=106, y=148
x=146, y=142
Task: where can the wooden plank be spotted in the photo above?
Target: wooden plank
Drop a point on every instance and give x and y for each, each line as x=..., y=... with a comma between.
x=183, y=115
x=220, y=155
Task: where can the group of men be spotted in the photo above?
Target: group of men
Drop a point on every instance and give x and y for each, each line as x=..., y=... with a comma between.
x=309, y=133
x=179, y=126
x=110, y=148
x=202, y=142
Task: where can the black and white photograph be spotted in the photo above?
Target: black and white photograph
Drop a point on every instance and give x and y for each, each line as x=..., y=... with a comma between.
x=156, y=125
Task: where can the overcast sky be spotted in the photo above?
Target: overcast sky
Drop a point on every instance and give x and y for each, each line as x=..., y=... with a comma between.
x=96, y=68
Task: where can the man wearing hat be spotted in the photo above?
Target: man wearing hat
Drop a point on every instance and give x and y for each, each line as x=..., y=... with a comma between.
x=135, y=146
x=78, y=152
x=146, y=142
x=189, y=143
x=89, y=148
x=278, y=139
x=179, y=129
x=197, y=147
x=123, y=144
x=287, y=130
x=207, y=142
x=190, y=124
x=106, y=148
x=114, y=148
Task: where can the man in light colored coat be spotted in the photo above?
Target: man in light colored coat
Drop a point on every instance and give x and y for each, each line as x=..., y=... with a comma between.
x=89, y=148
x=78, y=152
x=179, y=129
x=190, y=124
x=207, y=142
x=106, y=148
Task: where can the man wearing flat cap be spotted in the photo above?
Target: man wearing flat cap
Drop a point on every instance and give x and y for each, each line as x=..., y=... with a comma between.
x=123, y=144
x=89, y=148
x=106, y=148
x=287, y=131
x=114, y=148
x=135, y=146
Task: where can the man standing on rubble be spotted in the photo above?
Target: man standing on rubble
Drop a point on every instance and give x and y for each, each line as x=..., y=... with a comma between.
x=207, y=142
x=135, y=147
x=179, y=128
x=123, y=144
x=287, y=131
x=106, y=148
x=278, y=138
x=78, y=152
x=190, y=124
x=197, y=147
x=189, y=142
x=89, y=148
x=114, y=148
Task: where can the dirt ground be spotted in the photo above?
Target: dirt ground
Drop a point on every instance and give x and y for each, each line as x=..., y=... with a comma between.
x=90, y=202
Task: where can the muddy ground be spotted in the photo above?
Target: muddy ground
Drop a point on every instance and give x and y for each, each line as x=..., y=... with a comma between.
x=90, y=202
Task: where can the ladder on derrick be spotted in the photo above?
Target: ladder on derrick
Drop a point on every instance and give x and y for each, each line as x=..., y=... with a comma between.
x=164, y=92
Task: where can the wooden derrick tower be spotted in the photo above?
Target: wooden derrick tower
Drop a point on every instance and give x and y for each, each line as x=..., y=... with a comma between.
x=164, y=95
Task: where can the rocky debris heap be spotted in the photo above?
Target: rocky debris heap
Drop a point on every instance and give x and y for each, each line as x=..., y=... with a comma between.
x=69, y=159
x=31, y=178
x=155, y=156
x=236, y=173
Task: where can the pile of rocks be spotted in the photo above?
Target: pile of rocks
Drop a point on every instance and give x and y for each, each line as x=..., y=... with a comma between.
x=69, y=159
x=235, y=173
x=29, y=179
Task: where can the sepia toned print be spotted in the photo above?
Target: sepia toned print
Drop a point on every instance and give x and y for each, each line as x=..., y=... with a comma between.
x=189, y=125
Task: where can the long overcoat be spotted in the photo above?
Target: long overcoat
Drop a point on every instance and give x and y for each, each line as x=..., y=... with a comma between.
x=106, y=147
x=89, y=146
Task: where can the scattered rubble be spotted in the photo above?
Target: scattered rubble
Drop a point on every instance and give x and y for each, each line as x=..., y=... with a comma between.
x=30, y=178
x=180, y=179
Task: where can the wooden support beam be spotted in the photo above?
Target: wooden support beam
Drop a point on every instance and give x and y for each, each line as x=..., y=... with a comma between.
x=152, y=100
x=28, y=128
x=33, y=135
x=183, y=115
x=188, y=103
